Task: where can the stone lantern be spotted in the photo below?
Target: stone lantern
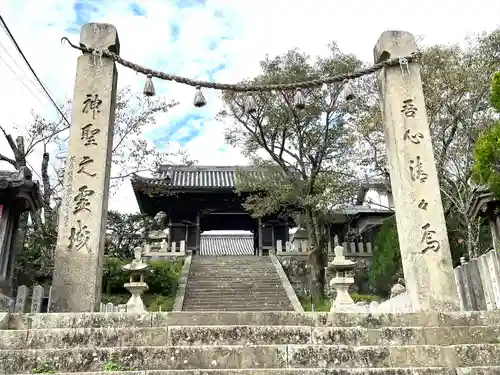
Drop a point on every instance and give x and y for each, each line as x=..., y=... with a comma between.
x=342, y=279
x=136, y=286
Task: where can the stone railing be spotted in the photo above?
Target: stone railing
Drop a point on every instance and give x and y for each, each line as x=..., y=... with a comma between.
x=478, y=282
x=302, y=246
x=109, y=308
x=163, y=249
x=26, y=302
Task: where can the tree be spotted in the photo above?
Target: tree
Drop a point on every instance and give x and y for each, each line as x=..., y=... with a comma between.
x=456, y=84
x=487, y=151
x=386, y=266
x=307, y=151
x=131, y=154
x=125, y=232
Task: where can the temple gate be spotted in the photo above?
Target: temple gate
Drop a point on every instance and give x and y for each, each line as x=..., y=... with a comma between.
x=203, y=198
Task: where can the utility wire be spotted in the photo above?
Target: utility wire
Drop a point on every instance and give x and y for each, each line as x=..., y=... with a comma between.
x=20, y=80
x=7, y=30
x=30, y=81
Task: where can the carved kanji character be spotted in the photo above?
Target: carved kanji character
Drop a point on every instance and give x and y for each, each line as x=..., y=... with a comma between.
x=417, y=171
x=92, y=104
x=82, y=201
x=409, y=109
x=88, y=135
x=429, y=240
x=81, y=165
x=79, y=237
x=413, y=137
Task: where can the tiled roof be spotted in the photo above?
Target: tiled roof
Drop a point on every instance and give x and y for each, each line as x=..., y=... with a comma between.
x=226, y=244
x=201, y=176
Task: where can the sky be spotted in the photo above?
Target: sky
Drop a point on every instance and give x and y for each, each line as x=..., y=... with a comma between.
x=215, y=40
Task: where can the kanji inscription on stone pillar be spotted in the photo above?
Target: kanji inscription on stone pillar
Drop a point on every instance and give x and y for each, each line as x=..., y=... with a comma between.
x=79, y=252
x=423, y=239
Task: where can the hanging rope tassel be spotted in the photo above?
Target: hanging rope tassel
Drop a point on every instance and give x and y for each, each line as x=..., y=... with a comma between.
x=149, y=88
x=250, y=106
x=298, y=100
x=199, y=100
x=349, y=91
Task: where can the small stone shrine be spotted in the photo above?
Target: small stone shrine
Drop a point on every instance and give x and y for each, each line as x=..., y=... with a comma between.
x=341, y=268
x=136, y=286
x=18, y=194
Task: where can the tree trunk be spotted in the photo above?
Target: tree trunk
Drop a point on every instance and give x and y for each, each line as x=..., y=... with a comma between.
x=48, y=212
x=317, y=257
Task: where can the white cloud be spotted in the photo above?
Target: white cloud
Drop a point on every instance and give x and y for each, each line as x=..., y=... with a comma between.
x=253, y=29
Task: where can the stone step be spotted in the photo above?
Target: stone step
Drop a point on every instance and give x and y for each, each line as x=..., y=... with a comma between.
x=163, y=319
x=234, y=268
x=238, y=281
x=240, y=288
x=484, y=370
x=235, y=308
x=240, y=303
x=237, y=300
x=251, y=357
x=228, y=258
x=234, y=273
x=242, y=335
x=236, y=335
x=222, y=264
x=251, y=263
x=236, y=286
x=229, y=293
x=257, y=306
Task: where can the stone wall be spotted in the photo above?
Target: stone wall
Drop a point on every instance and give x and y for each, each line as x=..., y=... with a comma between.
x=296, y=269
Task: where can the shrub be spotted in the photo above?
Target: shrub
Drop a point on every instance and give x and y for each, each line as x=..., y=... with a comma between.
x=162, y=279
x=486, y=169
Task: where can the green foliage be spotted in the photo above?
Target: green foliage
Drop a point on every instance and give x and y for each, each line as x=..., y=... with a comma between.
x=113, y=276
x=487, y=157
x=158, y=302
x=162, y=279
x=34, y=263
x=43, y=368
x=114, y=364
x=357, y=297
x=486, y=169
x=307, y=153
x=495, y=91
x=124, y=232
x=320, y=304
x=386, y=261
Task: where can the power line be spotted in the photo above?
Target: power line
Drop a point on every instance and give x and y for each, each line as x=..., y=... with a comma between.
x=31, y=82
x=7, y=30
x=20, y=80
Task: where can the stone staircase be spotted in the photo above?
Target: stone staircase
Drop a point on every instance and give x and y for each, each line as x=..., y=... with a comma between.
x=234, y=283
x=246, y=343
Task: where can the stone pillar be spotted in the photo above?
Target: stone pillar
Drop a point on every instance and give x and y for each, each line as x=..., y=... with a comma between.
x=423, y=240
x=81, y=233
